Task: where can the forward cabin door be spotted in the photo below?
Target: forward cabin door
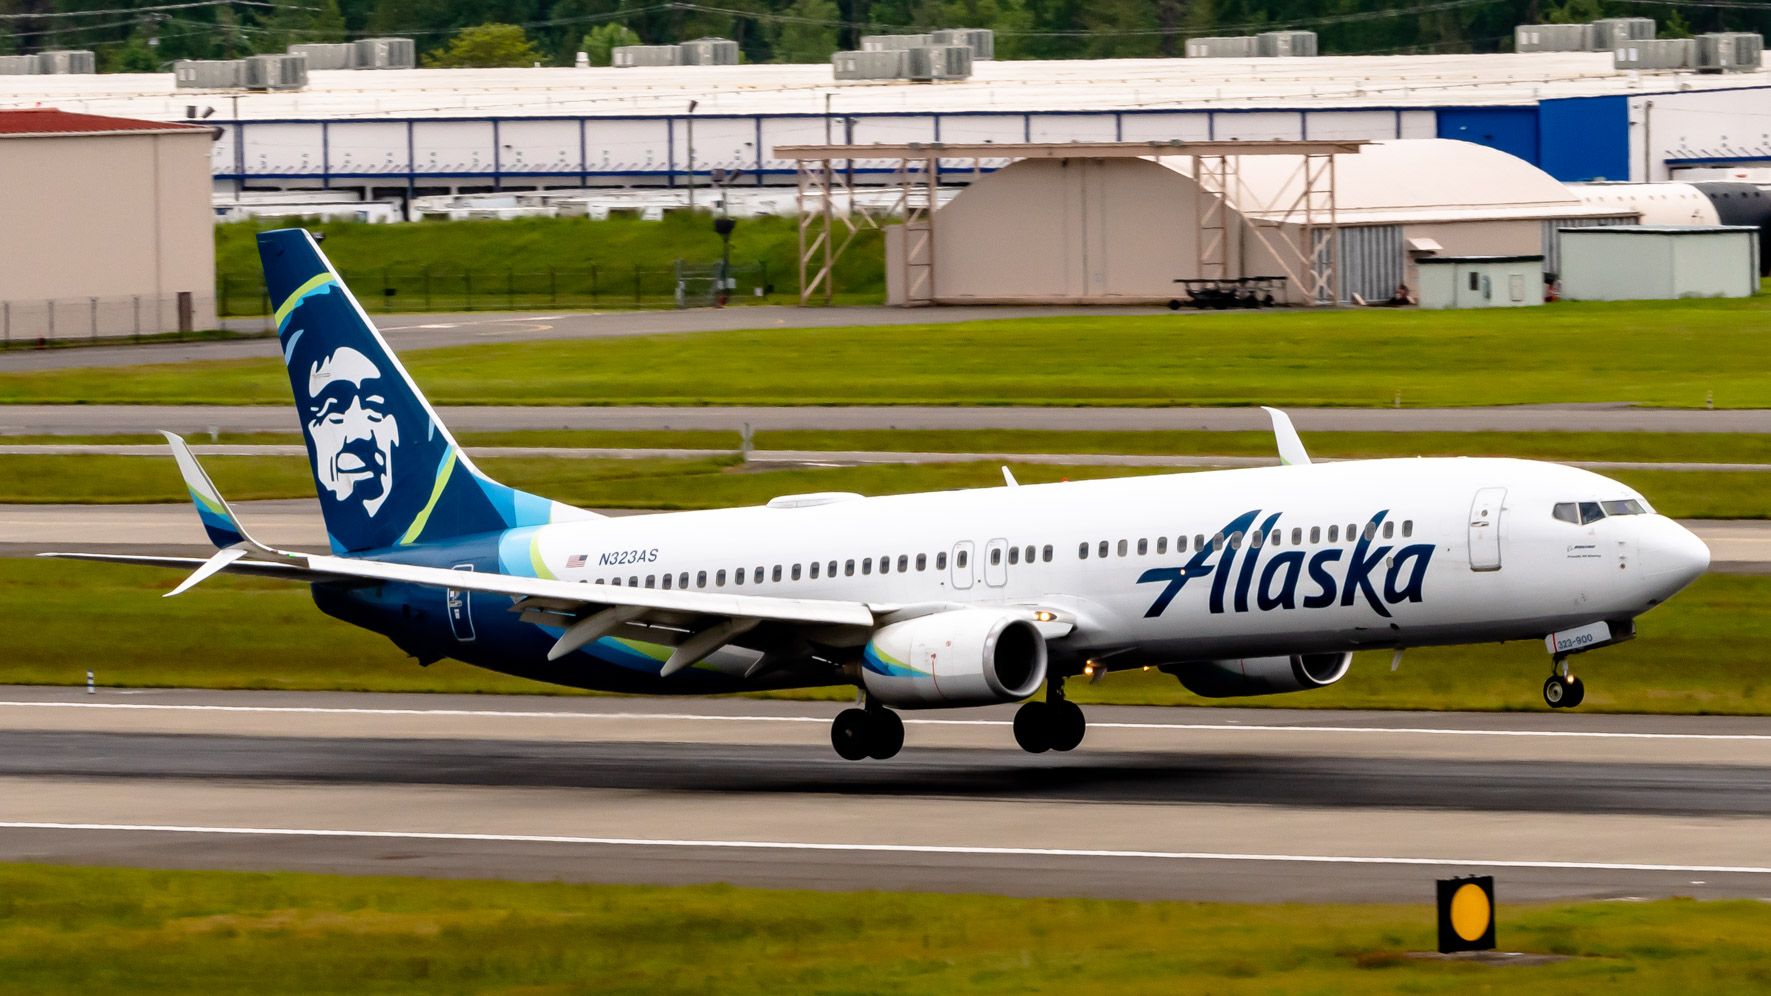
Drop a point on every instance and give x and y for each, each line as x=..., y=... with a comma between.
x=1485, y=529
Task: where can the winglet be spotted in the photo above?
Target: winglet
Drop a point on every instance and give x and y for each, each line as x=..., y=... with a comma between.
x=219, y=522
x=1291, y=448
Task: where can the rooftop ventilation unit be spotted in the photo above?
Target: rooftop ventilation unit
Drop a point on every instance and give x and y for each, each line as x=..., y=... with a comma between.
x=342, y=55
x=274, y=72
x=928, y=63
x=876, y=65
x=895, y=43
x=1239, y=47
x=1280, y=44
x=385, y=53
x=66, y=61
x=982, y=41
x=1729, y=52
x=633, y=56
x=1652, y=54
x=18, y=65
x=208, y=74
x=1553, y=38
x=1611, y=32
x=709, y=52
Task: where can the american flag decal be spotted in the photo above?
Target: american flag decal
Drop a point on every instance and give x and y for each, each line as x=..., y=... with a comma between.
x=576, y=560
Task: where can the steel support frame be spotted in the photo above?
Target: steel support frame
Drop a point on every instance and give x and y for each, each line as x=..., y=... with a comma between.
x=831, y=216
x=1307, y=200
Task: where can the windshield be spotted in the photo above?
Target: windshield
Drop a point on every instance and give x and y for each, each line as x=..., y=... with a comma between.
x=1581, y=513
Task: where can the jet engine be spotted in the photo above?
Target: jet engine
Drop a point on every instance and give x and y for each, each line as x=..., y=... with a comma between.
x=963, y=657
x=1261, y=675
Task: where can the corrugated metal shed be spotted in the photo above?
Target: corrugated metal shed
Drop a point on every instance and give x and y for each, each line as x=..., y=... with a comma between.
x=1651, y=263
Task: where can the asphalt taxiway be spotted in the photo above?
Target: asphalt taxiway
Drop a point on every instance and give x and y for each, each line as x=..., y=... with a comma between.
x=1222, y=804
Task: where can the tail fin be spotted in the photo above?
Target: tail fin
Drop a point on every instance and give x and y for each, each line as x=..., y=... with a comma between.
x=387, y=471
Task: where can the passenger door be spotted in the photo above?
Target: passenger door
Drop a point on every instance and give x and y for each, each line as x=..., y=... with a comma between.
x=1485, y=514
x=996, y=563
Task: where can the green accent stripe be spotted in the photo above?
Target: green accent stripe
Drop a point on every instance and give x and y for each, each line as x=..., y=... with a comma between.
x=436, y=493
x=208, y=503
x=535, y=561
x=314, y=283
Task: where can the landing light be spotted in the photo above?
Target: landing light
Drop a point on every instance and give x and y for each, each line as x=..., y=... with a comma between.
x=1044, y=616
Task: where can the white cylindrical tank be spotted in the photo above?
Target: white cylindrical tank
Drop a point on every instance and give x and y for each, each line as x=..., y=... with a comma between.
x=1661, y=204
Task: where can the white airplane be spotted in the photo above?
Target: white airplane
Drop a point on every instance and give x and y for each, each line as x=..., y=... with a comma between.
x=1239, y=582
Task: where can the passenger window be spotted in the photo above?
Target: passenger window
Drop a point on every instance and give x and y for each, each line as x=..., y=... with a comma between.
x=1407, y=528
x=995, y=556
x=651, y=580
x=962, y=559
x=719, y=579
x=1352, y=531
x=1082, y=550
x=682, y=580
x=832, y=570
x=1161, y=545
x=739, y=577
x=758, y=576
x=1255, y=539
x=1180, y=544
x=814, y=570
x=1371, y=530
x=775, y=575
x=1123, y=546
x=615, y=581
x=1590, y=512
x=1143, y=547
x=867, y=565
x=1389, y=529
x=1217, y=541
x=667, y=581
x=1198, y=541
x=941, y=561
x=1102, y=549
x=848, y=569
x=1236, y=540
x=1014, y=555
x=700, y=579
x=633, y=581
x=922, y=561
x=1029, y=554
x=1047, y=553
x=1334, y=533
x=885, y=565
x=1316, y=534
x=903, y=563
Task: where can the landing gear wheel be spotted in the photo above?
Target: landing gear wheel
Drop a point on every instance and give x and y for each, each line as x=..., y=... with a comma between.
x=885, y=734
x=1065, y=724
x=849, y=734
x=1033, y=730
x=1576, y=692
x=1556, y=692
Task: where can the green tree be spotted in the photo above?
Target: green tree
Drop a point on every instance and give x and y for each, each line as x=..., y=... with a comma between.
x=294, y=23
x=486, y=46
x=812, y=39
x=603, y=39
x=1675, y=27
x=133, y=56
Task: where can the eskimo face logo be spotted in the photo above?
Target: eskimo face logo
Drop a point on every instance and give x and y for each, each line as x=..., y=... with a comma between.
x=353, y=433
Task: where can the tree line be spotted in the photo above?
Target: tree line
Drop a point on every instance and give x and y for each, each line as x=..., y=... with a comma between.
x=148, y=35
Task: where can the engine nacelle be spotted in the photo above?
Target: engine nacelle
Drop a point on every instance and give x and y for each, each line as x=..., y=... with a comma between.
x=1261, y=675
x=964, y=657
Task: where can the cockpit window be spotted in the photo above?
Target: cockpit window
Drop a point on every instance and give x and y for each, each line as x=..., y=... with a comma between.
x=1582, y=513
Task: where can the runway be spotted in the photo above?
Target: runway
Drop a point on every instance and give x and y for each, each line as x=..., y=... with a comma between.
x=196, y=420
x=1736, y=546
x=1218, y=804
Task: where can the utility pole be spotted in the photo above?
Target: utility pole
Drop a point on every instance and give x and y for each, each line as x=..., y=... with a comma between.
x=692, y=105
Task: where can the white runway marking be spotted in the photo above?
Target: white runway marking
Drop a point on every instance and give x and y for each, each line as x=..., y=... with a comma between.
x=708, y=718
x=768, y=845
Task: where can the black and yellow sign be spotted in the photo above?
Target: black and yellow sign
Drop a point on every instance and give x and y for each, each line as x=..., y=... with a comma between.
x=1466, y=914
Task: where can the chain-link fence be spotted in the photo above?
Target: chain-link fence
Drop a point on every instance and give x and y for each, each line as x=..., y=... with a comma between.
x=510, y=289
x=33, y=322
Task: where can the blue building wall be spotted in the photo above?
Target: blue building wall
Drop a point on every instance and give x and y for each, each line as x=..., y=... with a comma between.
x=1512, y=130
x=1584, y=138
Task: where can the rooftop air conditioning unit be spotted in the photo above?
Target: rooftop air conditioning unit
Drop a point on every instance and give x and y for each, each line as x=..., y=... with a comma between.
x=67, y=61
x=894, y=43
x=1279, y=44
x=1653, y=54
x=1237, y=47
x=876, y=65
x=1610, y=32
x=18, y=65
x=274, y=72
x=385, y=53
x=208, y=74
x=982, y=41
x=1729, y=52
x=709, y=52
x=938, y=62
x=1553, y=38
x=342, y=55
x=633, y=56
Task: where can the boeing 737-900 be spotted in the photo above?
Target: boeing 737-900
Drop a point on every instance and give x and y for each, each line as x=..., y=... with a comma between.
x=1235, y=582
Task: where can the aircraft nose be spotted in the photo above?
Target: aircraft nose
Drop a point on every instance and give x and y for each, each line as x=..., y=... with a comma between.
x=1673, y=555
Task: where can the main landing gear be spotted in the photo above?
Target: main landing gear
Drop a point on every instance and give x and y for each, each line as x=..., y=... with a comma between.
x=873, y=731
x=1562, y=690
x=1055, y=724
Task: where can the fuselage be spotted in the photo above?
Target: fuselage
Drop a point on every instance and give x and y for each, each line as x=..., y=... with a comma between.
x=1139, y=571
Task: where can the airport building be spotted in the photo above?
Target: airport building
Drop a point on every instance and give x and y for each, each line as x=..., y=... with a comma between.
x=107, y=229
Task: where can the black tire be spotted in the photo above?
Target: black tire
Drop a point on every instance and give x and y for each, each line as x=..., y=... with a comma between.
x=1555, y=692
x=1032, y=729
x=848, y=734
x=1066, y=724
x=885, y=735
x=1577, y=693
x=1174, y=304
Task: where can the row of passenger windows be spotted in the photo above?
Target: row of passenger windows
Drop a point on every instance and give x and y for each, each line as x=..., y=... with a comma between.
x=1235, y=541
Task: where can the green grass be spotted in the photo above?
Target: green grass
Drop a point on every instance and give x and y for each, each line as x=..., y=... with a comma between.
x=1706, y=651
x=1678, y=353
x=541, y=262
x=709, y=482
x=101, y=930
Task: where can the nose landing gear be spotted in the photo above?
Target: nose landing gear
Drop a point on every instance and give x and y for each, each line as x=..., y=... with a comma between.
x=1562, y=690
x=1055, y=724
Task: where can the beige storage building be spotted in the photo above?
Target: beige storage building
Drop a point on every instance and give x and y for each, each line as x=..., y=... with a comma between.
x=107, y=226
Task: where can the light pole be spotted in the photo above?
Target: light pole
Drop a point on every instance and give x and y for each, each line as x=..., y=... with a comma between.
x=692, y=105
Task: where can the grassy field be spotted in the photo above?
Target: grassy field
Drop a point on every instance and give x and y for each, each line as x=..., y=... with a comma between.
x=710, y=482
x=1679, y=353
x=541, y=262
x=1706, y=651
x=96, y=930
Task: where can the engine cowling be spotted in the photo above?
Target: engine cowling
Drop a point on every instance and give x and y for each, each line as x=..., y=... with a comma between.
x=1261, y=675
x=963, y=657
